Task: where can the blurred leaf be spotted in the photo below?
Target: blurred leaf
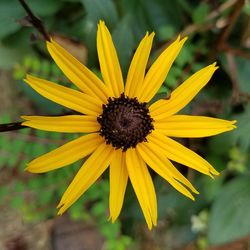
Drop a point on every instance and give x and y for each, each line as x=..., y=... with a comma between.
x=241, y=135
x=19, y=186
x=111, y=231
x=174, y=205
x=17, y=202
x=45, y=196
x=242, y=74
x=38, y=149
x=101, y=10
x=186, y=55
x=41, y=102
x=99, y=209
x=35, y=183
x=45, y=7
x=166, y=32
x=162, y=12
x=243, y=66
x=10, y=12
x=246, y=8
x=9, y=56
x=200, y=13
x=220, y=144
x=124, y=41
x=210, y=187
x=230, y=217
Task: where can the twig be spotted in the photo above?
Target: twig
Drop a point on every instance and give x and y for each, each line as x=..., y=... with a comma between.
x=234, y=79
x=35, y=21
x=11, y=126
x=234, y=51
x=212, y=15
x=228, y=29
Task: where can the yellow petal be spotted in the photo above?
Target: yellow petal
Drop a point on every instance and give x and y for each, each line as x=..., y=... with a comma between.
x=67, y=97
x=76, y=72
x=118, y=183
x=159, y=70
x=143, y=186
x=181, y=96
x=138, y=66
x=192, y=126
x=66, y=124
x=66, y=154
x=178, y=153
x=91, y=170
x=161, y=165
x=109, y=63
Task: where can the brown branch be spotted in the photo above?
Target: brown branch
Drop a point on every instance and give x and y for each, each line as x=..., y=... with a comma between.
x=236, y=52
x=11, y=126
x=35, y=21
x=228, y=29
x=234, y=79
x=212, y=15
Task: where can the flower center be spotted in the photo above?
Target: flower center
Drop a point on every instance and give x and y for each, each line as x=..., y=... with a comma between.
x=125, y=122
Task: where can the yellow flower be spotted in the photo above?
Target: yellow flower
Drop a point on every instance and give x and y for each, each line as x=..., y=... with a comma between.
x=120, y=130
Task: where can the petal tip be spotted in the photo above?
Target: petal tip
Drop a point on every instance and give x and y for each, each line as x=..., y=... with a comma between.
x=196, y=191
x=49, y=43
x=24, y=117
x=28, y=169
x=59, y=213
x=234, y=122
x=152, y=34
x=184, y=39
x=60, y=204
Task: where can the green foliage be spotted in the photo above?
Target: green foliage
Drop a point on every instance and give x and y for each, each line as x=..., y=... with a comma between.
x=229, y=219
x=224, y=200
x=41, y=68
x=241, y=135
x=200, y=13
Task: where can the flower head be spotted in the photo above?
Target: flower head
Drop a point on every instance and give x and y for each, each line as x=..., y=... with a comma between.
x=121, y=130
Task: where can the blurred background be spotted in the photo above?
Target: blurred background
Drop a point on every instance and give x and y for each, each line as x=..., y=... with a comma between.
x=219, y=218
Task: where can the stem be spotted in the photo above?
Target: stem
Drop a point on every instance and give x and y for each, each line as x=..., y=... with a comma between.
x=11, y=126
x=35, y=21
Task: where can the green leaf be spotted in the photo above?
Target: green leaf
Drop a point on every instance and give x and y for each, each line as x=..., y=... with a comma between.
x=200, y=13
x=9, y=56
x=243, y=66
x=230, y=217
x=45, y=7
x=124, y=42
x=17, y=202
x=242, y=74
x=209, y=188
x=100, y=10
x=99, y=209
x=174, y=205
x=220, y=144
x=45, y=196
x=44, y=104
x=241, y=135
x=186, y=55
x=166, y=32
x=10, y=12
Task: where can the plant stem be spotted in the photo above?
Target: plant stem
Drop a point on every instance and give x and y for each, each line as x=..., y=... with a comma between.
x=11, y=126
x=35, y=21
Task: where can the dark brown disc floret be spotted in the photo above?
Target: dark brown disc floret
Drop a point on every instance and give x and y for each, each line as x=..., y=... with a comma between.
x=125, y=122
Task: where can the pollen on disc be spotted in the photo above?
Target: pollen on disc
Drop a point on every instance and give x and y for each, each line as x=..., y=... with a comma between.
x=125, y=122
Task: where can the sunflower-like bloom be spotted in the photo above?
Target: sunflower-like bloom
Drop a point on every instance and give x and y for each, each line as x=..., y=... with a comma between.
x=120, y=129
